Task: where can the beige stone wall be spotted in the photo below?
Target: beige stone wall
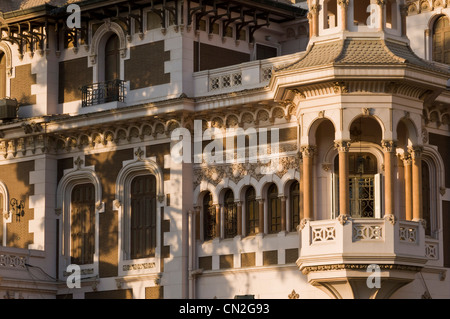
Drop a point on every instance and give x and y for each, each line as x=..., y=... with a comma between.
x=21, y=85
x=16, y=179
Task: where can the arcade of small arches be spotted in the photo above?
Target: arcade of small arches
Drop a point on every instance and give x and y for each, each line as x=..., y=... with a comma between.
x=364, y=176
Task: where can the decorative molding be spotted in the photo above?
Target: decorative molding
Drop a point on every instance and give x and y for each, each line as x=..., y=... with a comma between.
x=308, y=150
x=343, y=219
x=293, y=295
x=388, y=146
x=342, y=146
x=390, y=218
x=333, y=267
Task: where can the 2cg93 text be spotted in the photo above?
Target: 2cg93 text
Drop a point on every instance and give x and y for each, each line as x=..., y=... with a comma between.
x=242, y=308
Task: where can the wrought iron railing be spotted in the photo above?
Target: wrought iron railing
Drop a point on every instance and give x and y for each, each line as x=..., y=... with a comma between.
x=103, y=92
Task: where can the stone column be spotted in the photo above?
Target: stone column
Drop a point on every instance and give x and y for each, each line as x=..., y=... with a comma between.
x=261, y=216
x=218, y=215
x=283, y=212
x=344, y=197
x=308, y=155
x=239, y=217
x=381, y=20
x=403, y=14
x=313, y=17
x=388, y=149
x=416, y=155
x=407, y=161
x=344, y=6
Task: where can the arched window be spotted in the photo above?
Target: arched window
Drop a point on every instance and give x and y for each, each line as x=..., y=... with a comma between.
x=391, y=14
x=2, y=75
x=294, y=195
x=209, y=217
x=364, y=185
x=330, y=11
x=112, y=58
x=251, y=212
x=143, y=217
x=82, y=226
x=360, y=13
x=274, y=216
x=441, y=40
x=426, y=197
x=230, y=211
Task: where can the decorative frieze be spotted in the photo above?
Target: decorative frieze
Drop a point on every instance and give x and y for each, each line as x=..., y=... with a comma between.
x=363, y=267
x=13, y=262
x=142, y=266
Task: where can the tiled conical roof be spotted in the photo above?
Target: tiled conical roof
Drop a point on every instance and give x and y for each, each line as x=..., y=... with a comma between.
x=353, y=51
x=13, y=5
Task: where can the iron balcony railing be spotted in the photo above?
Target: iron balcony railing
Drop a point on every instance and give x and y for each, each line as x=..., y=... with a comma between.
x=103, y=92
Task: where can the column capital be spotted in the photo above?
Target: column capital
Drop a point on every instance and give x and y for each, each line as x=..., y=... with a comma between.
x=314, y=9
x=388, y=146
x=381, y=3
x=343, y=3
x=282, y=197
x=406, y=158
x=415, y=151
x=308, y=150
x=342, y=146
x=403, y=10
x=195, y=211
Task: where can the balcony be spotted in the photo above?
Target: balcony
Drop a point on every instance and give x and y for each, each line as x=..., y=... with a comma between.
x=103, y=92
x=338, y=256
x=25, y=274
x=244, y=76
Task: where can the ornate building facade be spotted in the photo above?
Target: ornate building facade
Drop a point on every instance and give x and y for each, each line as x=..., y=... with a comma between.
x=224, y=149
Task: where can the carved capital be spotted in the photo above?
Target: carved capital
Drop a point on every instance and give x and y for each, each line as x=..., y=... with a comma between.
x=302, y=224
x=415, y=151
x=314, y=9
x=343, y=219
x=404, y=10
x=342, y=146
x=308, y=151
x=388, y=146
x=343, y=3
x=390, y=218
x=406, y=158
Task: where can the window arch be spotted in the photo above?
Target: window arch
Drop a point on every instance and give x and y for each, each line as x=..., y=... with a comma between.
x=441, y=40
x=391, y=14
x=112, y=58
x=79, y=189
x=360, y=12
x=294, y=196
x=330, y=14
x=251, y=212
x=143, y=217
x=139, y=196
x=364, y=184
x=230, y=212
x=209, y=217
x=274, y=209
